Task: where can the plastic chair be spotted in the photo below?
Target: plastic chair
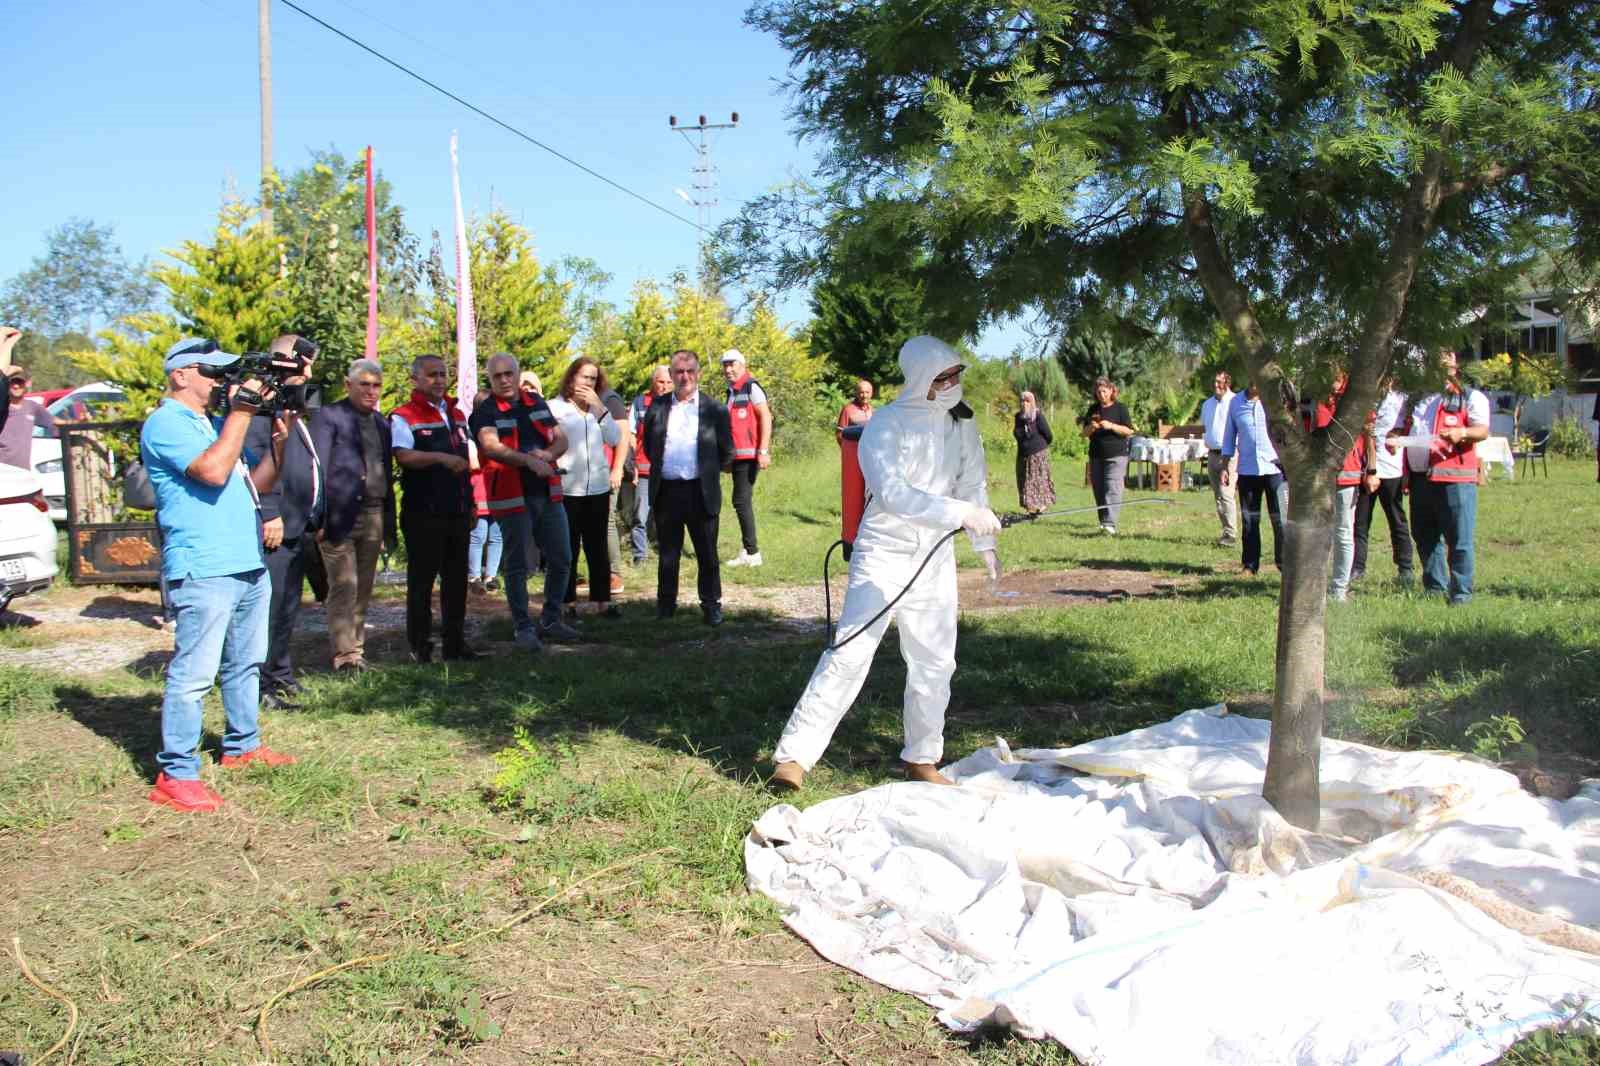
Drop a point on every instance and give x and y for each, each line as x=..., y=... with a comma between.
x=1535, y=451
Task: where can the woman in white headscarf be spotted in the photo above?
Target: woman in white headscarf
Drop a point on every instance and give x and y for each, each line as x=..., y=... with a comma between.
x=923, y=463
x=1035, y=489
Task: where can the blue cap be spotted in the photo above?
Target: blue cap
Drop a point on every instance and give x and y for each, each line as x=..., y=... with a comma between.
x=192, y=351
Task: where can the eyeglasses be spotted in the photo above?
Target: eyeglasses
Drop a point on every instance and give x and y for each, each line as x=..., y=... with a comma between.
x=19, y=381
x=949, y=377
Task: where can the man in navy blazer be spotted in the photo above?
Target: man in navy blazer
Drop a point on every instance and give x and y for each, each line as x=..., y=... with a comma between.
x=292, y=512
x=352, y=438
x=689, y=440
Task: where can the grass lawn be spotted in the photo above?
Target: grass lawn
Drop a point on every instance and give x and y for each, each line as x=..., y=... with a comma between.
x=538, y=860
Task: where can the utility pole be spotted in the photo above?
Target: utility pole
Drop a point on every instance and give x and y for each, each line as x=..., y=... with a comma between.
x=705, y=171
x=264, y=31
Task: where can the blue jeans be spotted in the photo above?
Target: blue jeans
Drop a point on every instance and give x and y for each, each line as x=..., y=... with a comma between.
x=1444, y=515
x=514, y=527
x=221, y=637
x=640, y=532
x=546, y=523
x=487, y=531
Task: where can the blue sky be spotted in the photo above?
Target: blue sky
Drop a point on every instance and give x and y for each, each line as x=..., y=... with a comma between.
x=144, y=116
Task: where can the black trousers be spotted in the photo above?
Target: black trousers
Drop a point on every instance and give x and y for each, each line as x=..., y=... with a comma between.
x=1252, y=487
x=287, y=565
x=680, y=505
x=587, y=519
x=744, y=505
x=1390, y=496
x=436, y=547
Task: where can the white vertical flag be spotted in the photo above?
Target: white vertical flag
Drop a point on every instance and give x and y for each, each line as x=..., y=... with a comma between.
x=466, y=319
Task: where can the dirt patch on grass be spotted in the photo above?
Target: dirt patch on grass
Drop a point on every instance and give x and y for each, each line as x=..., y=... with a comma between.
x=84, y=631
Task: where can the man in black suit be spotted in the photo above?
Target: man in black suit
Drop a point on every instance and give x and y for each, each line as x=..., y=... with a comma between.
x=689, y=440
x=291, y=515
x=353, y=440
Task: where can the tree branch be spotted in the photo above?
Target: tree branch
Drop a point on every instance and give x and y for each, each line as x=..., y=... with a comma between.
x=1487, y=176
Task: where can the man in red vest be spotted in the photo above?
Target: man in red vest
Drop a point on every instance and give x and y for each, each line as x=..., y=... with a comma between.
x=1444, y=481
x=752, y=438
x=429, y=439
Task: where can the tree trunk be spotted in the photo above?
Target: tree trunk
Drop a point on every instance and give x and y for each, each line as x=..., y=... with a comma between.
x=1297, y=699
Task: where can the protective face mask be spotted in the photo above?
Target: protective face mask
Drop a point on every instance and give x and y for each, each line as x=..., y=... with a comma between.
x=945, y=399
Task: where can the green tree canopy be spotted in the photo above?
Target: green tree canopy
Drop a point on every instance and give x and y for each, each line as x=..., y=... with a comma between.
x=81, y=282
x=1333, y=182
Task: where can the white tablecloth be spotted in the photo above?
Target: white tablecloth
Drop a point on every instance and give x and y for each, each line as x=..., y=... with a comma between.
x=1181, y=450
x=1497, y=450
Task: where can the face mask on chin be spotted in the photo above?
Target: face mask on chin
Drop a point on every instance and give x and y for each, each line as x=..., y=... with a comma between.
x=946, y=399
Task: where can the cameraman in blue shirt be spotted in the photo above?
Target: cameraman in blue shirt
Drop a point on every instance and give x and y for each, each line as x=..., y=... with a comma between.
x=208, y=507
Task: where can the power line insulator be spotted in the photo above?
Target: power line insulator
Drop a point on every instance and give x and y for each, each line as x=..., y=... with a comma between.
x=672, y=120
x=736, y=118
x=702, y=120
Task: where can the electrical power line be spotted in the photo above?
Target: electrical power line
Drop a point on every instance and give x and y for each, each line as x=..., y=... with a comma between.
x=508, y=127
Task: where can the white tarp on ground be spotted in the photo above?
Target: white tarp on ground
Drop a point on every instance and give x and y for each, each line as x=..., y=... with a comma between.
x=1137, y=900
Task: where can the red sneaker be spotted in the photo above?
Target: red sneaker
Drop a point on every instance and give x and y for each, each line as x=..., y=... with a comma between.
x=184, y=795
x=263, y=755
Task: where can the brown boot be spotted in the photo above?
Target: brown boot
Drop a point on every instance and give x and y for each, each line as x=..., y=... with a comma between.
x=925, y=772
x=786, y=777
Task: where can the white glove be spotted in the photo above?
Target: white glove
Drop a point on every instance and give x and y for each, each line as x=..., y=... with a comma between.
x=991, y=563
x=981, y=522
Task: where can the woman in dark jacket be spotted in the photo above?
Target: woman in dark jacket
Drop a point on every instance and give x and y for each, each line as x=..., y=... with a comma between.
x=1034, y=487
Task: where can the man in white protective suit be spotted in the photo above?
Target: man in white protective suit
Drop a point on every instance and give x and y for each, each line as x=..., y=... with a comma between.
x=922, y=461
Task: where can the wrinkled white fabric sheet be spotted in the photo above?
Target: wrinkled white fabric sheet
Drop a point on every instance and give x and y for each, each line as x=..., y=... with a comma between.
x=1138, y=901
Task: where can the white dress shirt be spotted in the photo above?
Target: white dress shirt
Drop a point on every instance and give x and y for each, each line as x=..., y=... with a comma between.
x=680, y=458
x=1214, y=415
x=1391, y=412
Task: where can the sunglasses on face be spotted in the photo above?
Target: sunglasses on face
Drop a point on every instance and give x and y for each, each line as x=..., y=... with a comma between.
x=949, y=377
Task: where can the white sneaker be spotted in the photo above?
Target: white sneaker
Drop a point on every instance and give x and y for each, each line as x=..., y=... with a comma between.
x=753, y=560
x=744, y=558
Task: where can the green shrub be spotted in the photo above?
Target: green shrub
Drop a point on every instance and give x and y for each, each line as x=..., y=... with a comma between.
x=1570, y=437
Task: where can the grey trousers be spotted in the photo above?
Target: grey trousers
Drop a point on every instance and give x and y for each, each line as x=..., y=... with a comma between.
x=1224, y=495
x=1108, y=476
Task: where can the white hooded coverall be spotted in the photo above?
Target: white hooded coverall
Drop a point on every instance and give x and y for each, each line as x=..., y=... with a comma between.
x=925, y=472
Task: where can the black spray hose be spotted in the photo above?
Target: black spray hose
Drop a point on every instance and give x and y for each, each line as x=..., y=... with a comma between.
x=1006, y=521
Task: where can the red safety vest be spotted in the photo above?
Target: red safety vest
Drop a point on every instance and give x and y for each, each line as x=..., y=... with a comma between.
x=742, y=415
x=1454, y=462
x=545, y=424
x=641, y=407
x=502, y=484
x=434, y=490
x=1355, y=460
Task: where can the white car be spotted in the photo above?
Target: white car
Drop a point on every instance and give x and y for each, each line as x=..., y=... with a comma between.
x=82, y=404
x=27, y=536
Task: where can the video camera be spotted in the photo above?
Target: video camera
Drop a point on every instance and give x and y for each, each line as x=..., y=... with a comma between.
x=274, y=368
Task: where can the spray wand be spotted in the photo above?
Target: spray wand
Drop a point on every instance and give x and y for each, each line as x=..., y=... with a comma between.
x=1007, y=520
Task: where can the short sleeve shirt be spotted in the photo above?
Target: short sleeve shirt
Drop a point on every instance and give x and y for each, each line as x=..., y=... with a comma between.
x=1106, y=444
x=16, y=439
x=206, y=530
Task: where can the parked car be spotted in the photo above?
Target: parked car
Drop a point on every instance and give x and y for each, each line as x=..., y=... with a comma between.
x=27, y=536
x=83, y=404
x=48, y=396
